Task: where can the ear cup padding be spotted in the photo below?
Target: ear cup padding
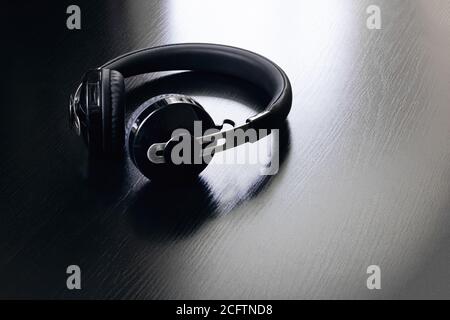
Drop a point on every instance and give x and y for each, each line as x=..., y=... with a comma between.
x=117, y=94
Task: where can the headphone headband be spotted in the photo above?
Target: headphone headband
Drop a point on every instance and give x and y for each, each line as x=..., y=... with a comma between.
x=215, y=58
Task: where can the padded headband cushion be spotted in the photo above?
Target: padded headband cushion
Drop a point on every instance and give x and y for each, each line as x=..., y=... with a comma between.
x=219, y=59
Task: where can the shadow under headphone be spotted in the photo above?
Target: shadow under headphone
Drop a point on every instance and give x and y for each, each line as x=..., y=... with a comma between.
x=97, y=109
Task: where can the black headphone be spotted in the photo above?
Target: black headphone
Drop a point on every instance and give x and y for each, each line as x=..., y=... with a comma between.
x=97, y=109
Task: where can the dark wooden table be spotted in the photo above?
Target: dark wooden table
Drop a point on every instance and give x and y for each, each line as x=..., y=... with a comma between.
x=365, y=160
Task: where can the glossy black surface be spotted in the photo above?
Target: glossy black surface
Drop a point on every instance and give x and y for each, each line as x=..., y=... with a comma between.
x=364, y=159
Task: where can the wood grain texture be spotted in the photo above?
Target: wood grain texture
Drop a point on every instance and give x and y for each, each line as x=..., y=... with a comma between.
x=365, y=157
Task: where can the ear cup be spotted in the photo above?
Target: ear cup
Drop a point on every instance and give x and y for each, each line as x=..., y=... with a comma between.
x=155, y=122
x=117, y=112
x=148, y=105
